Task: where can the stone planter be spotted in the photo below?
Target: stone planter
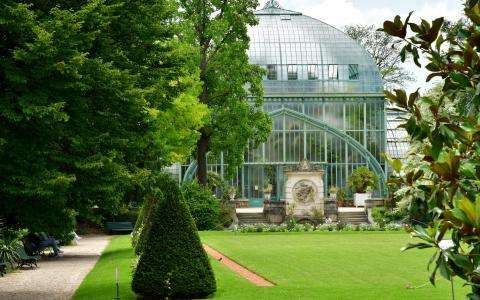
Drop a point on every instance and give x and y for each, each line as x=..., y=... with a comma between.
x=331, y=209
x=360, y=198
x=242, y=203
x=274, y=211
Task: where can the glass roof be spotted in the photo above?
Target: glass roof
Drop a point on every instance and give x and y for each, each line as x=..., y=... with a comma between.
x=285, y=38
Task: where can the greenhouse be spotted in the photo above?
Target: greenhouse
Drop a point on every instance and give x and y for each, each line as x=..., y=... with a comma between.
x=325, y=96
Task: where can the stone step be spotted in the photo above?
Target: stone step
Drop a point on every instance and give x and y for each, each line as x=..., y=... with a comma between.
x=251, y=218
x=249, y=222
x=353, y=217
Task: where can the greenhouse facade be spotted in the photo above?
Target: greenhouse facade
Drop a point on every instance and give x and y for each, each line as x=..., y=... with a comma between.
x=325, y=96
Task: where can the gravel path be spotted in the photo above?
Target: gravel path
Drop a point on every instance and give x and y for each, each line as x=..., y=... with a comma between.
x=55, y=278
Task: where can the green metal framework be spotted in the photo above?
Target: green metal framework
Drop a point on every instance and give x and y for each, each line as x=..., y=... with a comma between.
x=352, y=143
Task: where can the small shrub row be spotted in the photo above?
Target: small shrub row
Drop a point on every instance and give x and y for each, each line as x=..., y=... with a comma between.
x=383, y=216
x=285, y=227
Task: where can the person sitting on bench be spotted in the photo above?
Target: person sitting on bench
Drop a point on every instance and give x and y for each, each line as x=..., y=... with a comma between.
x=40, y=243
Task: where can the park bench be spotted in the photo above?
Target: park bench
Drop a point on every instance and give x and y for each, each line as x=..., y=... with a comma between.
x=119, y=227
x=26, y=260
x=3, y=268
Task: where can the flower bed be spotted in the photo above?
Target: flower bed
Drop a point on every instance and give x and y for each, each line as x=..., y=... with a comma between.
x=295, y=227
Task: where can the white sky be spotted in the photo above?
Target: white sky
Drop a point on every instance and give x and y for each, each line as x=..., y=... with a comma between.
x=374, y=12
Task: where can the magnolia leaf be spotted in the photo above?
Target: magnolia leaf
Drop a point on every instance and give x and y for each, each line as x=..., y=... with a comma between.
x=469, y=209
x=460, y=79
x=416, y=246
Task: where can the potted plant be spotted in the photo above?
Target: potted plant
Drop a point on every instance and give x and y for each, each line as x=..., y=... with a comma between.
x=340, y=196
x=333, y=192
x=341, y=199
x=232, y=192
x=362, y=181
x=267, y=190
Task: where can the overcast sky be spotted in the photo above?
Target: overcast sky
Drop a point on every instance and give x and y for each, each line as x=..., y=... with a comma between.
x=373, y=12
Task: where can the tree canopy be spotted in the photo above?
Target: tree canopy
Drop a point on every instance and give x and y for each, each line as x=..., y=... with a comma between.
x=231, y=86
x=96, y=95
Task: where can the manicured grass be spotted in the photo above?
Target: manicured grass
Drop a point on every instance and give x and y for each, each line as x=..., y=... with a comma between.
x=100, y=282
x=319, y=265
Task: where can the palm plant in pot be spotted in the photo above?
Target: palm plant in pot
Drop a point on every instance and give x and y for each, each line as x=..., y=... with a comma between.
x=362, y=181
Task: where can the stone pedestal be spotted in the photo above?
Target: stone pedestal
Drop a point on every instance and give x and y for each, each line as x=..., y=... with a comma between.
x=304, y=193
x=274, y=211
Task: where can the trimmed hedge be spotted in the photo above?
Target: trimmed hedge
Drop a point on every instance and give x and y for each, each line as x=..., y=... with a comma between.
x=144, y=221
x=173, y=263
x=203, y=205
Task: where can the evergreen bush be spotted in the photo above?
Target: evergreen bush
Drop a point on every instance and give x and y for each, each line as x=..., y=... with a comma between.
x=173, y=263
x=144, y=221
x=203, y=206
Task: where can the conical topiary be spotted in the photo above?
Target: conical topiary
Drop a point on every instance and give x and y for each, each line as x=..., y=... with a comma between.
x=173, y=263
x=142, y=227
x=144, y=219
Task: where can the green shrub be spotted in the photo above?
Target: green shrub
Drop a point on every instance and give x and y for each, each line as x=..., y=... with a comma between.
x=382, y=216
x=173, y=263
x=295, y=227
x=362, y=179
x=378, y=215
x=144, y=222
x=10, y=240
x=203, y=205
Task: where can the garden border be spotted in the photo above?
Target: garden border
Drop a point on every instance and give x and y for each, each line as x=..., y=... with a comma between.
x=239, y=269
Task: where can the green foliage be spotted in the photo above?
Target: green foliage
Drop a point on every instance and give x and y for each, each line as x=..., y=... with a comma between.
x=440, y=186
x=10, y=240
x=173, y=263
x=223, y=191
x=232, y=87
x=362, y=179
x=383, y=215
x=143, y=226
x=95, y=96
x=296, y=227
x=202, y=204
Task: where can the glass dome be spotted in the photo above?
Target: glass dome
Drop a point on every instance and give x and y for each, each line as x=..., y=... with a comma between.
x=306, y=56
x=324, y=94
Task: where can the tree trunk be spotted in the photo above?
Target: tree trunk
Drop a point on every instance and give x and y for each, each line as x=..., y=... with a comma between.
x=202, y=149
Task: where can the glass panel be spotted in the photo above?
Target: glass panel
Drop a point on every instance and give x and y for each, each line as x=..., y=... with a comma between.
x=353, y=72
x=332, y=71
x=292, y=72
x=312, y=72
x=271, y=72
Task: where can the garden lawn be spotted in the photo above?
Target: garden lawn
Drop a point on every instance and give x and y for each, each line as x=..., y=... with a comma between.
x=317, y=265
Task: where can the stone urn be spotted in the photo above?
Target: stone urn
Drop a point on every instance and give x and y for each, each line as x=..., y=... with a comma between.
x=267, y=192
x=359, y=199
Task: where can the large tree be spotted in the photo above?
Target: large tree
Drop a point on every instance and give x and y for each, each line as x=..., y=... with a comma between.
x=231, y=86
x=95, y=96
x=385, y=50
